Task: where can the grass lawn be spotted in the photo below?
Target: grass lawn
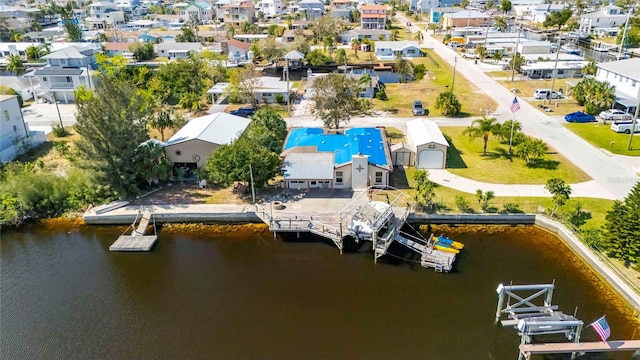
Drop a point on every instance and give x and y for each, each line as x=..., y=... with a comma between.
x=445, y=197
x=465, y=159
x=394, y=135
x=527, y=88
x=436, y=80
x=601, y=136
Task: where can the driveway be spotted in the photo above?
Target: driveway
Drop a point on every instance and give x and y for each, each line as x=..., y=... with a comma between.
x=613, y=173
x=41, y=117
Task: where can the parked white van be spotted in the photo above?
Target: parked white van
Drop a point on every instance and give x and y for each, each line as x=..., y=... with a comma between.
x=624, y=126
x=541, y=94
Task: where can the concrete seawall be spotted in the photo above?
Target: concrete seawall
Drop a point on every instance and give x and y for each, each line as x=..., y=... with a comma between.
x=229, y=214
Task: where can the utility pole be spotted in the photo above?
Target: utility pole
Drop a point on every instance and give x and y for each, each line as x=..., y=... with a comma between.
x=553, y=74
x=455, y=62
x=515, y=52
x=634, y=123
x=286, y=72
x=253, y=188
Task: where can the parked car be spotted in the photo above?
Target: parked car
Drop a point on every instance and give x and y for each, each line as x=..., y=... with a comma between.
x=580, y=117
x=624, y=127
x=243, y=111
x=469, y=55
x=615, y=115
x=418, y=109
x=541, y=94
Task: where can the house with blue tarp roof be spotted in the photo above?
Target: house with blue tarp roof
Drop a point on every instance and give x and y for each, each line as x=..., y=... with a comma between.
x=354, y=159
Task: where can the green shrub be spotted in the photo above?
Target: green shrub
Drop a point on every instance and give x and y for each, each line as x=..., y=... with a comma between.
x=58, y=130
x=462, y=204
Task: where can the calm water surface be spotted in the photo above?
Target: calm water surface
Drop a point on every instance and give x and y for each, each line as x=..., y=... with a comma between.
x=235, y=294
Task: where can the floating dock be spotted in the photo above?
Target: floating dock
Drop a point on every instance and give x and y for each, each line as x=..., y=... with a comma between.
x=137, y=240
x=376, y=214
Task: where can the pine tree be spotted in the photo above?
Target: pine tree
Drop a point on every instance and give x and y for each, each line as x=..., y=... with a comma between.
x=622, y=230
x=112, y=124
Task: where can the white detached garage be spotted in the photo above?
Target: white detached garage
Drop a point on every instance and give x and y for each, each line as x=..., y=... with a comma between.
x=426, y=140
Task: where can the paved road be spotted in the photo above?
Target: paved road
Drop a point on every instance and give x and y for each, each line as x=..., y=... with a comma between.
x=612, y=173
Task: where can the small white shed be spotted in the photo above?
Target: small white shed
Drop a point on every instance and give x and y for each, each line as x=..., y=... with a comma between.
x=429, y=145
x=402, y=155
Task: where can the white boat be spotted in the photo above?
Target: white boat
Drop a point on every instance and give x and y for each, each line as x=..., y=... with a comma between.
x=570, y=49
x=369, y=215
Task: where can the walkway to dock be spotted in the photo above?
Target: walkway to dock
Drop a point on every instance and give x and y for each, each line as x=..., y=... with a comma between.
x=563, y=348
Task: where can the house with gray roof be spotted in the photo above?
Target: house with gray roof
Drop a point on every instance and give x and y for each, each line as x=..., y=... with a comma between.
x=364, y=34
x=387, y=50
x=66, y=69
x=192, y=145
x=178, y=50
x=605, y=21
x=624, y=75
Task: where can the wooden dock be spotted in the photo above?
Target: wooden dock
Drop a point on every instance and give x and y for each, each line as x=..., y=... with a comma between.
x=137, y=240
x=562, y=348
x=133, y=243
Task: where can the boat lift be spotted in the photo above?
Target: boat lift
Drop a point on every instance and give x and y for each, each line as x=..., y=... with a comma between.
x=532, y=318
x=383, y=211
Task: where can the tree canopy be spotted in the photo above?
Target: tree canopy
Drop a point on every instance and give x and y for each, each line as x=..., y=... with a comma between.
x=622, y=230
x=112, y=124
x=182, y=82
x=557, y=18
x=336, y=99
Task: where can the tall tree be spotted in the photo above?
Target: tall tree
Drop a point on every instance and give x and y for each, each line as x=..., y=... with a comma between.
x=501, y=23
x=622, y=230
x=243, y=83
x=151, y=162
x=268, y=128
x=335, y=99
x=560, y=191
x=418, y=37
x=481, y=51
x=164, y=120
x=74, y=32
x=483, y=128
x=183, y=82
x=557, y=18
x=33, y=52
x=111, y=125
x=505, y=5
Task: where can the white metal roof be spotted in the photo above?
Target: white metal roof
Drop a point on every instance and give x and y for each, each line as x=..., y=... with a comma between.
x=422, y=132
x=217, y=128
x=308, y=166
x=627, y=67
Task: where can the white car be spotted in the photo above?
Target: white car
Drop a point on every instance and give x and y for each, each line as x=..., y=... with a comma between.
x=615, y=115
x=469, y=55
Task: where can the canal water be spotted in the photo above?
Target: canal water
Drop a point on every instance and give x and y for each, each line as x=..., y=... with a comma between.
x=233, y=292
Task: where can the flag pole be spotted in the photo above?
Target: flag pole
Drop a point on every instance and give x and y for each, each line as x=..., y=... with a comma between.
x=513, y=123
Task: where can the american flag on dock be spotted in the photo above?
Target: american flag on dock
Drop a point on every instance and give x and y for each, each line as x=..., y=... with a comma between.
x=515, y=105
x=602, y=328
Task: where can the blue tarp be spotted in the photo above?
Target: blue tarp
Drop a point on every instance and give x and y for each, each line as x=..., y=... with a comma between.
x=365, y=141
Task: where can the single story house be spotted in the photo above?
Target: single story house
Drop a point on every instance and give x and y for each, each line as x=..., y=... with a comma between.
x=354, y=159
x=428, y=144
x=387, y=50
x=364, y=34
x=544, y=69
x=116, y=48
x=192, y=145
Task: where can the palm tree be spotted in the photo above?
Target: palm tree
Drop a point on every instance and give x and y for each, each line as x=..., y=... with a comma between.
x=151, y=162
x=433, y=27
x=404, y=68
x=419, y=37
x=501, y=23
x=394, y=35
x=367, y=79
x=33, y=52
x=602, y=97
x=497, y=56
x=531, y=150
x=328, y=42
x=507, y=127
x=15, y=65
x=481, y=51
x=355, y=43
x=484, y=128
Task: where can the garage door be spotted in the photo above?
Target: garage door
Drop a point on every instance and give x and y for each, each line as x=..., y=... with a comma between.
x=430, y=159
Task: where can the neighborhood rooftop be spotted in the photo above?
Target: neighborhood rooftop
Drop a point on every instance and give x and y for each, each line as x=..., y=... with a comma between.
x=354, y=141
x=218, y=128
